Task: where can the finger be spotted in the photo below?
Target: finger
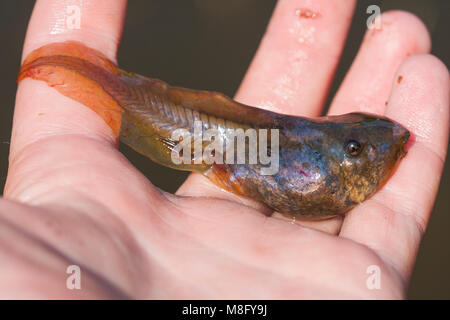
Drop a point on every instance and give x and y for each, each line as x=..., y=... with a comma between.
x=368, y=83
x=393, y=221
x=294, y=65
x=40, y=111
x=98, y=24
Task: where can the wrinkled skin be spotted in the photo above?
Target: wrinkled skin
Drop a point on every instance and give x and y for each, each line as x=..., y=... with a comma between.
x=72, y=198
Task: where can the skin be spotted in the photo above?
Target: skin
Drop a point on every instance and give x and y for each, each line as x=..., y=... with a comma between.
x=325, y=165
x=93, y=209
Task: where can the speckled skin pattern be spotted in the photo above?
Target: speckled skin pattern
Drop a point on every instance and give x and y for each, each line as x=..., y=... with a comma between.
x=317, y=178
x=320, y=174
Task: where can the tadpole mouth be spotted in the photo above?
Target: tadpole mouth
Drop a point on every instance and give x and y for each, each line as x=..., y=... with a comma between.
x=403, y=135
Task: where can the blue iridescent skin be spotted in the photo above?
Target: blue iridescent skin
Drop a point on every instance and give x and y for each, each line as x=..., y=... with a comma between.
x=327, y=165
x=320, y=174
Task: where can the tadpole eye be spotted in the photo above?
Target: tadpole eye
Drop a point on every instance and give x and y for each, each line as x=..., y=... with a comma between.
x=353, y=148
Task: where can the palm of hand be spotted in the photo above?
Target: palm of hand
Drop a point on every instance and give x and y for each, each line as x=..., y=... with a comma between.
x=146, y=243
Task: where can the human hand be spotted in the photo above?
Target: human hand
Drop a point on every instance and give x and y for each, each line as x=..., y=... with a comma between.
x=73, y=199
